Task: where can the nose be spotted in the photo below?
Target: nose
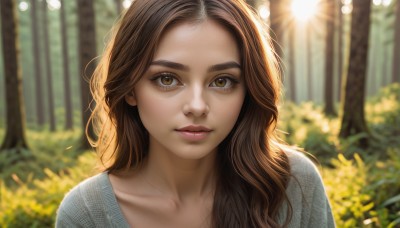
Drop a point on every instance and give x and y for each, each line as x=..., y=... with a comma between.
x=196, y=104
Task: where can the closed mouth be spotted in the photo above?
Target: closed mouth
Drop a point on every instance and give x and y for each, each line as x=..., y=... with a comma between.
x=194, y=129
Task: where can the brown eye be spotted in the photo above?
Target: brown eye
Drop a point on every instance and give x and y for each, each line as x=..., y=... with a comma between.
x=166, y=80
x=220, y=82
x=223, y=83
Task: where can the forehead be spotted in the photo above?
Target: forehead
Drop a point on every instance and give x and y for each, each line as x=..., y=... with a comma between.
x=205, y=39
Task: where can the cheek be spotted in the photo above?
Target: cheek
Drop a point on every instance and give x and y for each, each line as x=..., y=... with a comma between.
x=153, y=109
x=229, y=112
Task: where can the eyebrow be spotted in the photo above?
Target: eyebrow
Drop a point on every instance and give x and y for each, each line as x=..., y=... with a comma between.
x=178, y=66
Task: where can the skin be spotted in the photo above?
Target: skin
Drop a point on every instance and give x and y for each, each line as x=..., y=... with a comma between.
x=203, y=87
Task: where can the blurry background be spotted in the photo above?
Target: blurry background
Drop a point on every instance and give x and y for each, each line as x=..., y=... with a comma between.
x=340, y=63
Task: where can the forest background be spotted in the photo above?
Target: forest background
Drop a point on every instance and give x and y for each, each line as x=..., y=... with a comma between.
x=340, y=62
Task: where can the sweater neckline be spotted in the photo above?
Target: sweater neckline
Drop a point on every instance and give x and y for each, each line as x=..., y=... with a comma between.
x=111, y=204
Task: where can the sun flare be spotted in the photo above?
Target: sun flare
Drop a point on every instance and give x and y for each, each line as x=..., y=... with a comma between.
x=304, y=10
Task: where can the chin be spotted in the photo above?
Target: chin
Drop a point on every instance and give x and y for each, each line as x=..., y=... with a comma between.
x=194, y=154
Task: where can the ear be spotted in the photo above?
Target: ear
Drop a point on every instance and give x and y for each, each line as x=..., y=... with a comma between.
x=130, y=99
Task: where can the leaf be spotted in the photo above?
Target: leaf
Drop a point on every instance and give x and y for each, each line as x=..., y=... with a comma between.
x=355, y=138
x=394, y=223
x=392, y=200
x=368, y=207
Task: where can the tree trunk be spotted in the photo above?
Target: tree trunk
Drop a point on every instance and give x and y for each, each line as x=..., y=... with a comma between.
x=47, y=53
x=15, y=116
x=67, y=85
x=353, y=120
x=309, y=63
x=340, y=50
x=396, y=53
x=277, y=16
x=37, y=66
x=87, y=53
x=292, y=63
x=118, y=6
x=329, y=7
x=373, y=57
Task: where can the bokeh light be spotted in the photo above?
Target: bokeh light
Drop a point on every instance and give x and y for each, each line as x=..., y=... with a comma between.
x=347, y=9
x=304, y=10
x=53, y=4
x=386, y=2
x=23, y=6
x=264, y=12
x=126, y=3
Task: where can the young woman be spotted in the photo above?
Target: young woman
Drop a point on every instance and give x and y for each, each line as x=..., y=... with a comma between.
x=186, y=96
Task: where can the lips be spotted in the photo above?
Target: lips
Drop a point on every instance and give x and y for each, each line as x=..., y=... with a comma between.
x=194, y=129
x=194, y=133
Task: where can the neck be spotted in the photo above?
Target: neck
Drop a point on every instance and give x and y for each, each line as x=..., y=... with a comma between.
x=180, y=178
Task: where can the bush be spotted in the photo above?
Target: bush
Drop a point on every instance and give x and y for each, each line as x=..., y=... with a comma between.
x=345, y=188
x=362, y=184
x=383, y=116
x=307, y=127
x=385, y=189
x=34, y=202
x=362, y=195
x=53, y=150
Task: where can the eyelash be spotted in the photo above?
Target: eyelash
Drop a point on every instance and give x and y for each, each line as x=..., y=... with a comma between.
x=156, y=80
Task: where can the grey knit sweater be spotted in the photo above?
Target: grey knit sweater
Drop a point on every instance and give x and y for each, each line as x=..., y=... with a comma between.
x=92, y=203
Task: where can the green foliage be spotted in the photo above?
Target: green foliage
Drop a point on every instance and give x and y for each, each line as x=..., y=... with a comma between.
x=362, y=184
x=306, y=126
x=35, y=201
x=345, y=185
x=385, y=188
x=383, y=119
x=33, y=183
x=383, y=116
x=53, y=150
x=364, y=195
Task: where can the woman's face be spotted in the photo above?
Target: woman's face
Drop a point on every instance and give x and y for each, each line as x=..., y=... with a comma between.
x=190, y=97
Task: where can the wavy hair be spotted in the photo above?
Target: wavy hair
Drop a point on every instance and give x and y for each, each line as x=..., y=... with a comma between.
x=253, y=170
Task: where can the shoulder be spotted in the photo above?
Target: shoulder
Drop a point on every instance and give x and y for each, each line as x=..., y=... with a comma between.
x=76, y=209
x=305, y=176
x=306, y=193
x=301, y=167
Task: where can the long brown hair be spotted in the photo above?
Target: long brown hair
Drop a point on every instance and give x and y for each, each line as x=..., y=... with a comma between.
x=253, y=171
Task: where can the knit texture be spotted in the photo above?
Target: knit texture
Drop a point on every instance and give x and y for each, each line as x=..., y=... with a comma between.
x=92, y=203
